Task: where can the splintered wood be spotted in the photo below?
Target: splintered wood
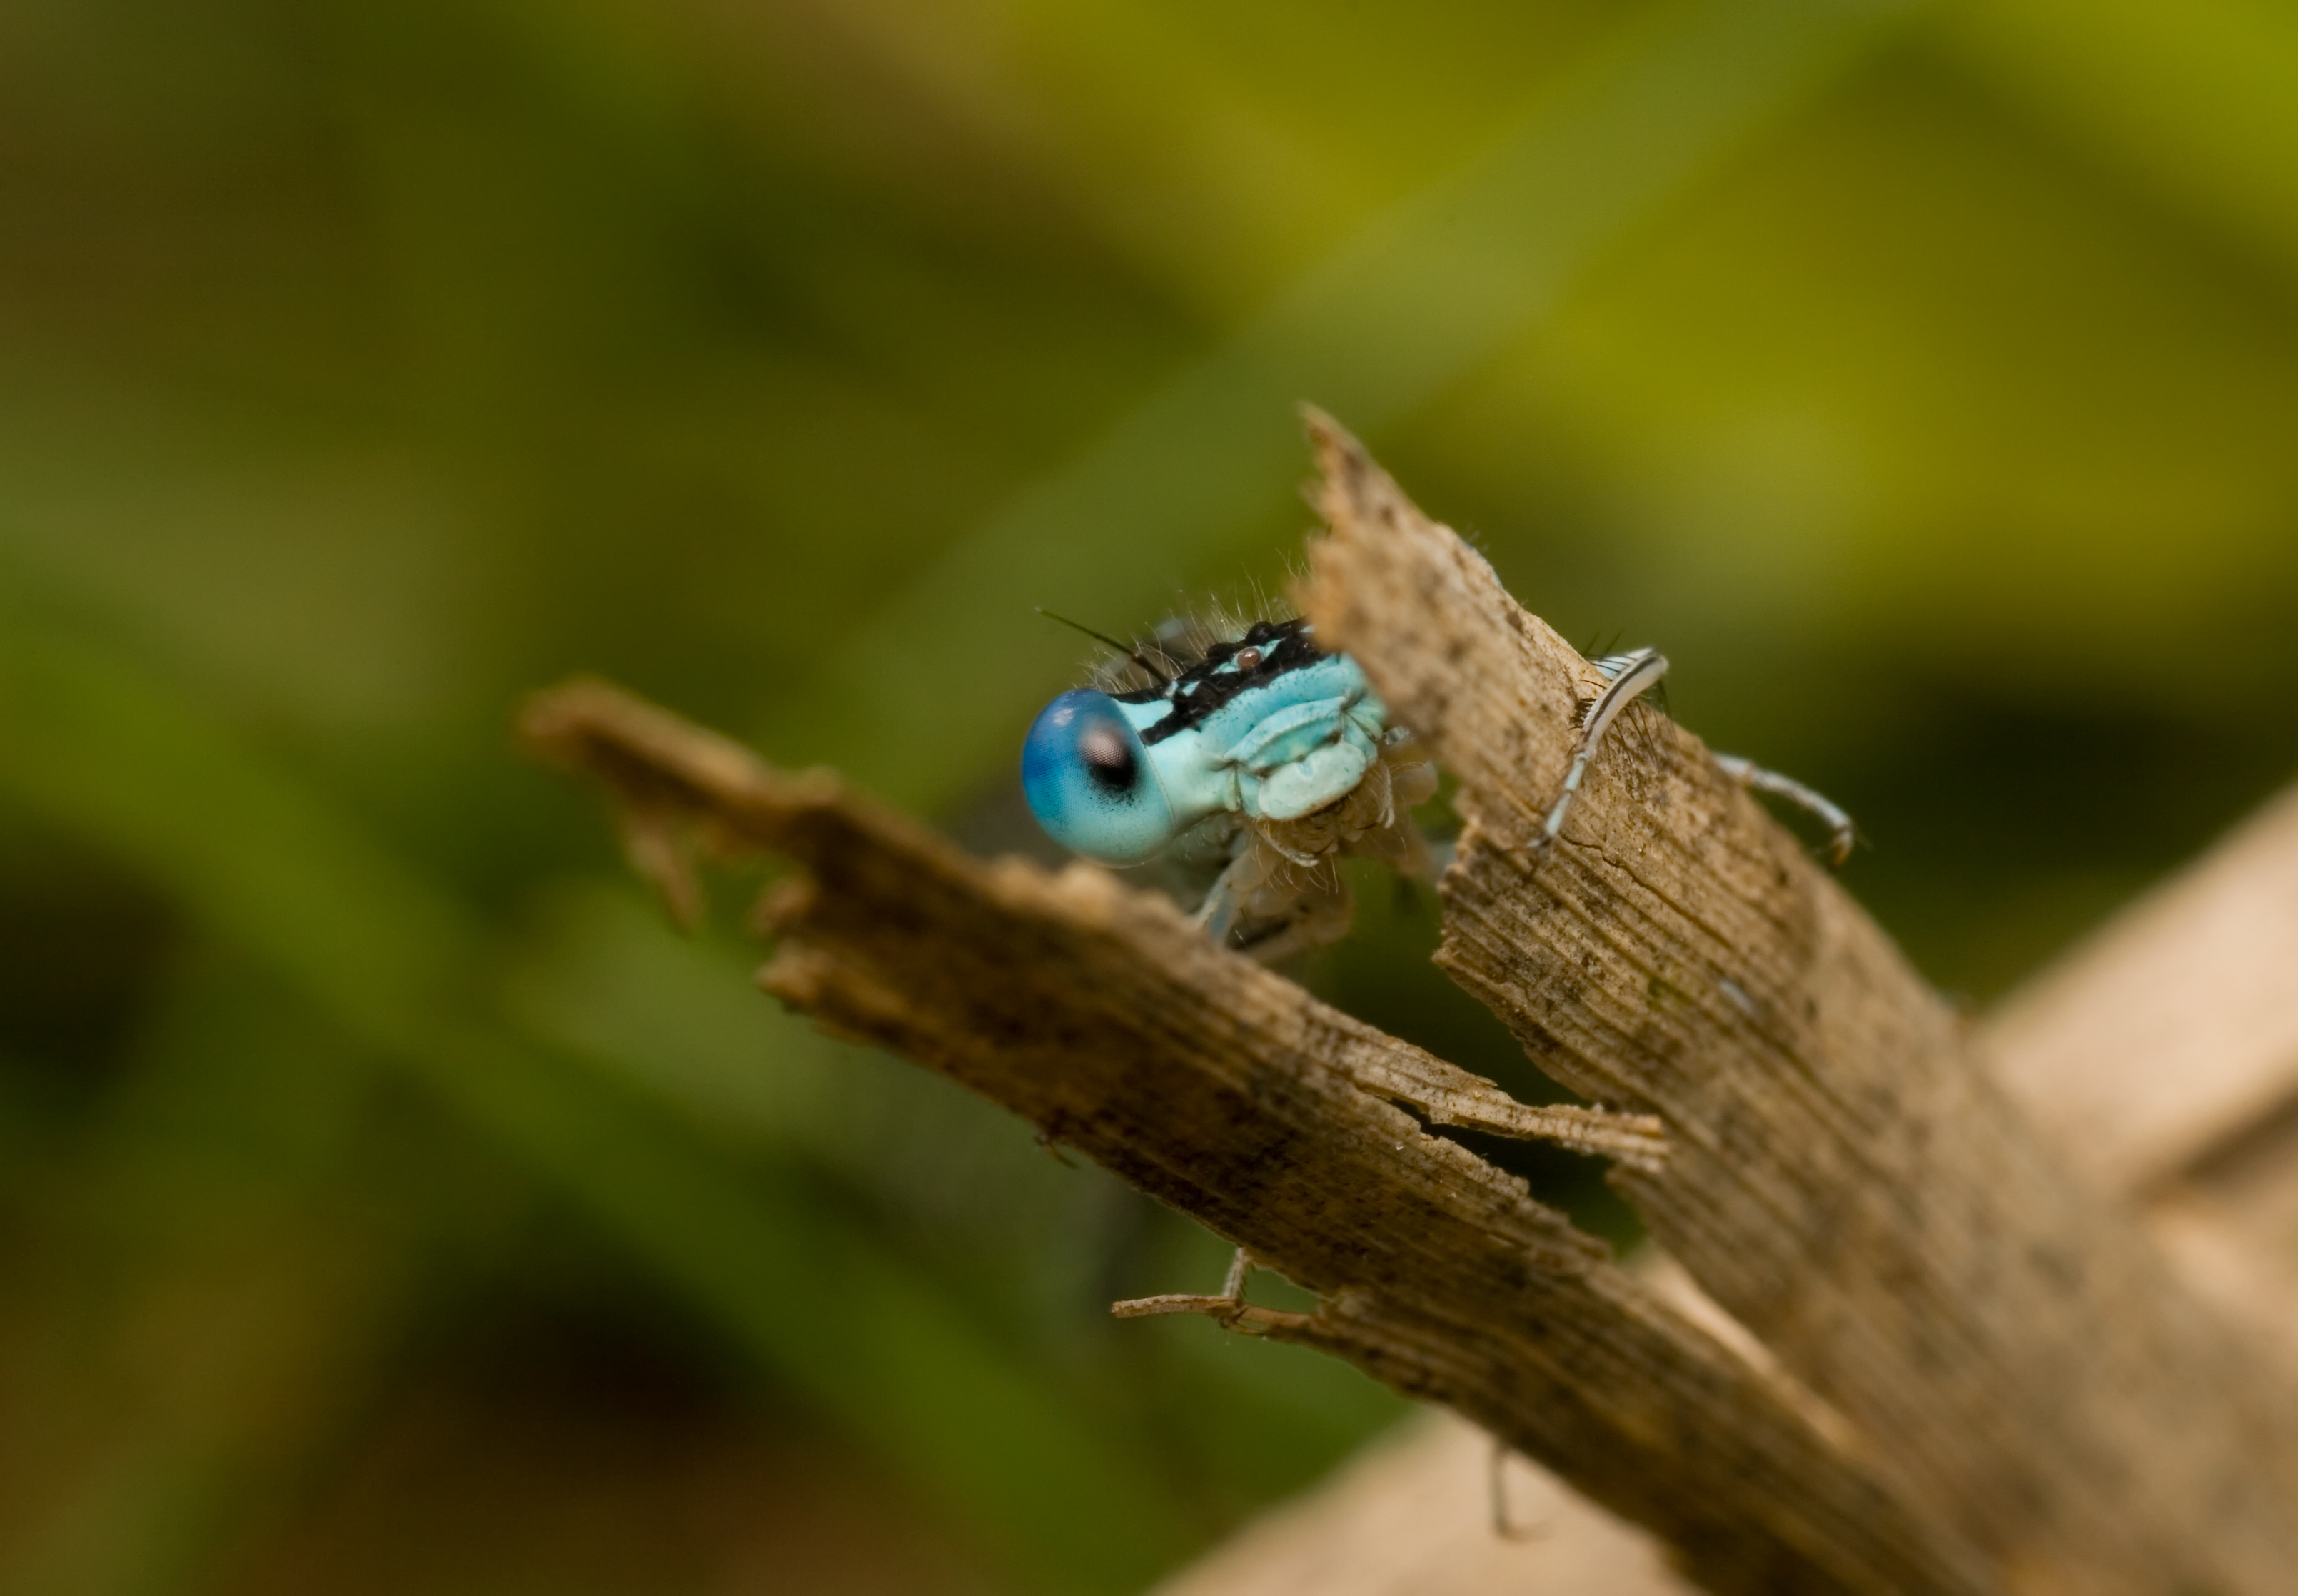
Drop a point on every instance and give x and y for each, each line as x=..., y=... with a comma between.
x=1844, y=1176
x=1102, y=1016
x=1968, y=1372
x=2119, y=1053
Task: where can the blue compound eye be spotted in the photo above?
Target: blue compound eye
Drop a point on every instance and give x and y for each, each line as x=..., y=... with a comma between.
x=1089, y=782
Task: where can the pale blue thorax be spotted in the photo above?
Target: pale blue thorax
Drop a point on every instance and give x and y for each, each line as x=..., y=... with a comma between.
x=1274, y=752
x=1266, y=729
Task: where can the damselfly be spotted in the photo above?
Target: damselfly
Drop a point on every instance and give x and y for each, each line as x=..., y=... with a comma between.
x=1281, y=759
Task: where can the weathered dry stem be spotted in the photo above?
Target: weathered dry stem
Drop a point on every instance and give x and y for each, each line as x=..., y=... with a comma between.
x=1099, y=1014
x=2002, y=1386
x=2173, y=1030
x=1844, y=1176
x=2160, y=1054
x=1411, y=1515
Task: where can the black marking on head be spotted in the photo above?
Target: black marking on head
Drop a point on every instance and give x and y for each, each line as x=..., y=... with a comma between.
x=1264, y=653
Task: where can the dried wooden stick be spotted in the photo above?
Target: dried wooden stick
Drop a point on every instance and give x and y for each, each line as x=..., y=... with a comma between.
x=1101, y=1015
x=2175, y=1027
x=2166, y=1042
x=1845, y=1178
x=1411, y=1515
x=2164, y=1053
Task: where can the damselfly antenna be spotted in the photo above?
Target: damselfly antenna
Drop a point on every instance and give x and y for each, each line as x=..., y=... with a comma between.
x=1162, y=676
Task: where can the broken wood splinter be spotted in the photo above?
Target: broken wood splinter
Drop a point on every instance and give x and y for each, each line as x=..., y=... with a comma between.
x=1975, y=1374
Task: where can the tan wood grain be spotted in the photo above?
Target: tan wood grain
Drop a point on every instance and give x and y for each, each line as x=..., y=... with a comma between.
x=1104, y=1017
x=1845, y=1178
x=2175, y=1026
x=2160, y=1054
x=2151, y=1065
x=1918, y=1407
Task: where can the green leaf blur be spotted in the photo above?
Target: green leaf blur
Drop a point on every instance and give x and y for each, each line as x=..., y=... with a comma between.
x=392, y=1202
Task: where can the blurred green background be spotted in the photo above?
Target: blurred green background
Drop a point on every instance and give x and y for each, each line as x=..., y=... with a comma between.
x=388, y=1202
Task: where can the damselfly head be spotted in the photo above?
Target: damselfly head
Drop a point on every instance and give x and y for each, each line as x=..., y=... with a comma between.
x=1280, y=750
x=1254, y=721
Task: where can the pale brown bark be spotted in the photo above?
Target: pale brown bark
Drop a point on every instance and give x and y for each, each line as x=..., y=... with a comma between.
x=1845, y=1178
x=2119, y=1054
x=2161, y=1054
x=1103, y=1016
x=2013, y=1393
x=2176, y=1028
x=1412, y=1516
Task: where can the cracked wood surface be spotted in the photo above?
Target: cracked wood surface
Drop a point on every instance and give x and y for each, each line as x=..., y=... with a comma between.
x=1845, y=1178
x=2154, y=1070
x=1407, y=1518
x=1101, y=1015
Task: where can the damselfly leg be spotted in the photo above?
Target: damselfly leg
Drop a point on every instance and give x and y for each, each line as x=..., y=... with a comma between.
x=1842, y=835
x=1271, y=908
x=1626, y=676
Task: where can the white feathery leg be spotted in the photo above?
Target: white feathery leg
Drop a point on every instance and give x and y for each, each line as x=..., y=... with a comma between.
x=1217, y=915
x=1625, y=676
x=1842, y=833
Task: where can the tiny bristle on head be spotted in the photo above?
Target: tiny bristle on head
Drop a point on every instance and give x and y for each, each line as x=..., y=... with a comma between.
x=1147, y=662
x=1181, y=642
